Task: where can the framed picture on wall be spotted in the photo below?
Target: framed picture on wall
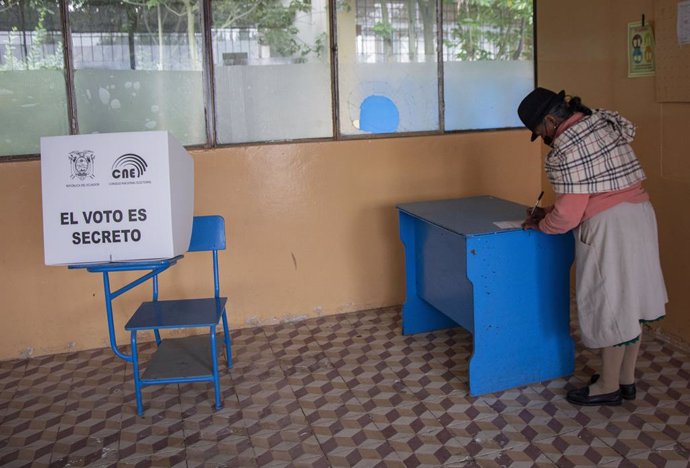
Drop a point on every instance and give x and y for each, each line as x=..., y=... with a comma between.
x=640, y=50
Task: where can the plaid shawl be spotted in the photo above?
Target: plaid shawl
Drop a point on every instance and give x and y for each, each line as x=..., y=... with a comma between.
x=594, y=156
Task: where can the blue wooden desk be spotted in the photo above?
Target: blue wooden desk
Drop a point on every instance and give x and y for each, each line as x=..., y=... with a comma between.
x=510, y=288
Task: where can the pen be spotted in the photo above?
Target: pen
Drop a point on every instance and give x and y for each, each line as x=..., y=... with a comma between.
x=531, y=213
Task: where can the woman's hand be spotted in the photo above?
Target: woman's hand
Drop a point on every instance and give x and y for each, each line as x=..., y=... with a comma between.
x=530, y=223
x=533, y=218
x=537, y=214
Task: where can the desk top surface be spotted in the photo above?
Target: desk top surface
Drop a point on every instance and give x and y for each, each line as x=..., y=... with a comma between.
x=468, y=216
x=131, y=265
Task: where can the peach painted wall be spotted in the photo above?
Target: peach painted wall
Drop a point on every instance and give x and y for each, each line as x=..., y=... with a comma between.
x=582, y=48
x=312, y=227
x=312, y=230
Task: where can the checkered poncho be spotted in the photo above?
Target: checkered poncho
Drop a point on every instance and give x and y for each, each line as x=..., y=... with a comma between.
x=594, y=156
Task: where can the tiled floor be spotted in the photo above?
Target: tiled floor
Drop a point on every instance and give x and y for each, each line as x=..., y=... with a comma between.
x=344, y=390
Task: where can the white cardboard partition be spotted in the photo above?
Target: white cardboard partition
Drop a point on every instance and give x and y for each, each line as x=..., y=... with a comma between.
x=115, y=197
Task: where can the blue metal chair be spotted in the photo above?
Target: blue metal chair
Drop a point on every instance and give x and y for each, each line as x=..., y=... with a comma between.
x=194, y=358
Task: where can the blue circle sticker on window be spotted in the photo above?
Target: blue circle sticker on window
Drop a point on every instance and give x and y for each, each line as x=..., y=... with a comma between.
x=378, y=114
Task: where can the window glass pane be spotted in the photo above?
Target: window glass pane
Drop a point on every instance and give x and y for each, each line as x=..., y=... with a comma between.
x=387, y=66
x=488, y=62
x=32, y=83
x=138, y=67
x=272, y=72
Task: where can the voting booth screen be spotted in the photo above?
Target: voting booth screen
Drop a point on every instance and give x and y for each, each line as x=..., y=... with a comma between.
x=115, y=197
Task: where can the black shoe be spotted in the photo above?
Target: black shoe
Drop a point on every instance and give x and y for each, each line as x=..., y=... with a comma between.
x=628, y=391
x=580, y=396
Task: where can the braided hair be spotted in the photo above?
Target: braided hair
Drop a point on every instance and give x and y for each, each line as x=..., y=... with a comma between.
x=568, y=107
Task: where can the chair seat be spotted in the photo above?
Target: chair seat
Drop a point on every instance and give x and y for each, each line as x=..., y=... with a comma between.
x=183, y=313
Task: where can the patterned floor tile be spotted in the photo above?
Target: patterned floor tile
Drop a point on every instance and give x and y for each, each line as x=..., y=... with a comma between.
x=229, y=452
x=485, y=436
x=46, y=370
x=214, y=427
x=416, y=435
x=346, y=390
x=174, y=458
x=34, y=455
x=670, y=456
x=521, y=456
x=151, y=445
x=540, y=423
x=285, y=446
x=34, y=423
x=675, y=421
x=458, y=406
x=246, y=379
x=266, y=401
x=628, y=411
x=369, y=453
x=349, y=429
x=407, y=417
x=87, y=421
x=199, y=397
x=427, y=446
x=353, y=440
x=6, y=397
x=11, y=373
x=553, y=403
x=383, y=395
x=75, y=447
x=630, y=436
x=370, y=373
x=515, y=399
x=159, y=430
x=40, y=395
x=580, y=448
x=431, y=379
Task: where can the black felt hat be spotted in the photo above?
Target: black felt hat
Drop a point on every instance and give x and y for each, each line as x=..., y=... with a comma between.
x=535, y=105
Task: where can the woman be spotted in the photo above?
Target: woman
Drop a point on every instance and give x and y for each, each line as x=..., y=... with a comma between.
x=598, y=183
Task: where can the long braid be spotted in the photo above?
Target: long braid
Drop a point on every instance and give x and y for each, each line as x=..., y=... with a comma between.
x=575, y=105
x=564, y=109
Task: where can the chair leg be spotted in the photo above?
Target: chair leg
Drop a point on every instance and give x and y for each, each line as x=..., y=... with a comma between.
x=157, y=334
x=135, y=370
x=214, y=360
x=226, y=335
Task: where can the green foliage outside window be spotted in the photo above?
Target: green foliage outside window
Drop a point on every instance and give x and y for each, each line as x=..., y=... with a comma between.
x=274, y=20
x=492, y=30
x=34, y=13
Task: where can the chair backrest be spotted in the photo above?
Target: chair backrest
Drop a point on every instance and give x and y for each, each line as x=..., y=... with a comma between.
x=208, y=233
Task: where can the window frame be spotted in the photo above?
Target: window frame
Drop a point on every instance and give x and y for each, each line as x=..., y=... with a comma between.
x=208, y=80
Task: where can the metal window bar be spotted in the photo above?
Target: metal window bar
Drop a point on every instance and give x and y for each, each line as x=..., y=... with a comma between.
x=110, y=49
x=373, y=25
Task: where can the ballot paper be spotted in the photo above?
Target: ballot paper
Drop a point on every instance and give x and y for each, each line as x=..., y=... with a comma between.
x=514, y=224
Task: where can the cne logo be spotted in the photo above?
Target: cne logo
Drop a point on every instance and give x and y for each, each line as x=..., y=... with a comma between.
x=81, y=164
x=129, y=166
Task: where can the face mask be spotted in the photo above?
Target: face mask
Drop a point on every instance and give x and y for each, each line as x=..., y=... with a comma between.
x=548, y=140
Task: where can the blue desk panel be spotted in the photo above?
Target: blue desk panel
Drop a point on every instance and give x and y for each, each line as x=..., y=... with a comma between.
x=510, y=288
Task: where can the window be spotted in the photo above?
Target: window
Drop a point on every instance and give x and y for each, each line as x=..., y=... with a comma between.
x=138, y=67
x=272, y=70
x=217, y=72
x=387, y=69
x=33, y=93
x=487, y=62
